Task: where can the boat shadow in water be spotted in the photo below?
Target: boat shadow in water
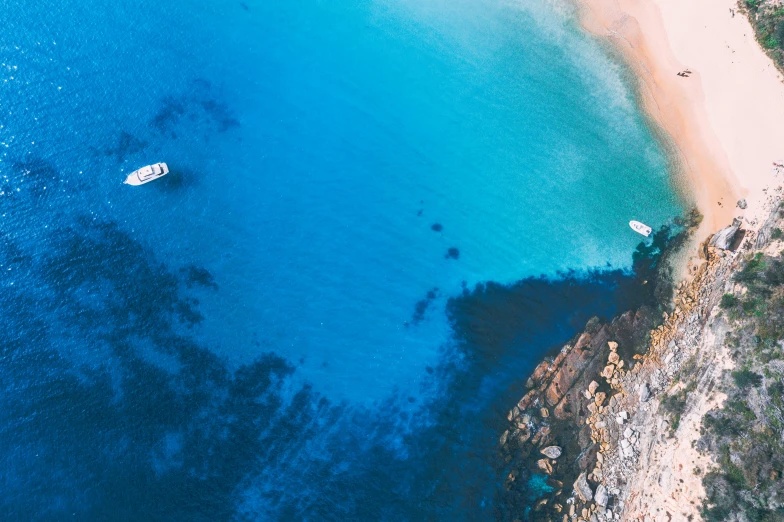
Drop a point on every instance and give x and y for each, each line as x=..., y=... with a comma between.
x=178, y=180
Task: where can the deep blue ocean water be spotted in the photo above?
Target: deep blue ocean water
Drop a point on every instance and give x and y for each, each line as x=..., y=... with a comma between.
x=381, y=214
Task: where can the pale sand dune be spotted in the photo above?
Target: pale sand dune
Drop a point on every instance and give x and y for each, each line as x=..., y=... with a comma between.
x=727, y=118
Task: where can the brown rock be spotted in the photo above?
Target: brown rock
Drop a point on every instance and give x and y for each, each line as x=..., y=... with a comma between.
x=574, y=363
x=543, y=432
x=599, y=398
x=540, y=372
x=614, y=357
x=527, y=400
x=545, y=466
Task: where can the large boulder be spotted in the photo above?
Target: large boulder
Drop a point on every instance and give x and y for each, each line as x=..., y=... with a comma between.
x=582, y=488
x=552, y=452
x=645, y=392
x=601, y=495
x=724, y=237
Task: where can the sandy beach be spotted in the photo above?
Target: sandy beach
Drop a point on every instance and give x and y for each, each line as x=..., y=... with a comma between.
x=725, y=117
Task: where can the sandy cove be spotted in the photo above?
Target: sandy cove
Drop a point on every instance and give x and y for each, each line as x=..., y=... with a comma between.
x=726, y=119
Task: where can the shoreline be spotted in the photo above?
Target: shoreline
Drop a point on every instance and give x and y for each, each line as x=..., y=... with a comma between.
x=721, y=121
x=549, y=429
x=594, y=420
x=614, y=422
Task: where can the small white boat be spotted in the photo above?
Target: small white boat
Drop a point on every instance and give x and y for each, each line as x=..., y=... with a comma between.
x=147, y=174
x=641, y=228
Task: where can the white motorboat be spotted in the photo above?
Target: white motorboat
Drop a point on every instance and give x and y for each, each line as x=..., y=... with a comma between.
x=641, y=228
x=147, y=174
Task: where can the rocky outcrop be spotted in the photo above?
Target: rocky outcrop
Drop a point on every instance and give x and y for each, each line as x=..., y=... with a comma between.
x=580, y=408
x=766, y=231
x=587, y=400
x=582, y=488
x=724, y=238
x=637, y=465
x=555, y=418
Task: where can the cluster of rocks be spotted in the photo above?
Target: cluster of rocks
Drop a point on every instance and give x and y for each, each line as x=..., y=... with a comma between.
x=615, y=415
x=546, y=464
x=583, y=420
x=619, y=427
x=552, y=427
x=552, y=412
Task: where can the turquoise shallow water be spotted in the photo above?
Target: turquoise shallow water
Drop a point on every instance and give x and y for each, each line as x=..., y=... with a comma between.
x=287, y=327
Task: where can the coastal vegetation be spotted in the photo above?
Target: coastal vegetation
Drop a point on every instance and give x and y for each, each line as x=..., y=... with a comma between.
x=767, y=18
x=745, y=434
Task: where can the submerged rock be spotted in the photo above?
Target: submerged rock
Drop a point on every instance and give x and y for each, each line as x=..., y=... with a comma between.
x=552, y=452
x=724, y=237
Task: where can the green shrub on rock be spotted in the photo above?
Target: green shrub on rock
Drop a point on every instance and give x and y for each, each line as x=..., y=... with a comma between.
x=728, y=301
x=745, y=378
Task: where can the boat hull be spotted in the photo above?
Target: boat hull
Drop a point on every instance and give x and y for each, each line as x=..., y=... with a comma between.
x=147, y=174
x=641, y=228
